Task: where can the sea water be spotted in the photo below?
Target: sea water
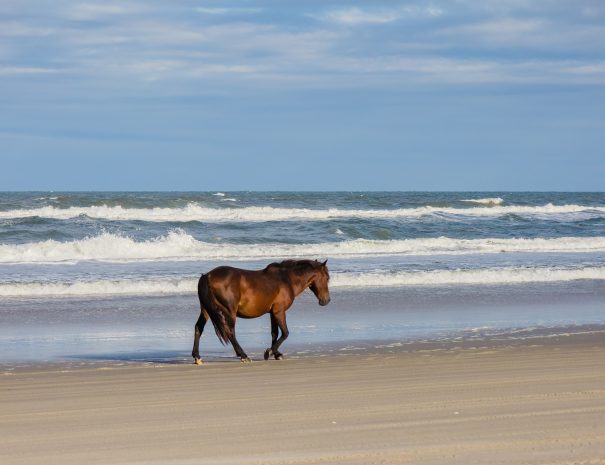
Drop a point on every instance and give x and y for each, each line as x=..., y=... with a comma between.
x=113, y=275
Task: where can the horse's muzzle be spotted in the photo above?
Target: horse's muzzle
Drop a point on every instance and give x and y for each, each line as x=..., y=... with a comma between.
x=324, y=302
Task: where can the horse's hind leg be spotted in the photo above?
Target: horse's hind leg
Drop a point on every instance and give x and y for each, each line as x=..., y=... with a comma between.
x=226, y=307
x=199, y=328
x=238, y=349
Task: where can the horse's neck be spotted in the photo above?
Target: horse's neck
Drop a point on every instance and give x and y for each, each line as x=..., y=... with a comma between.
x=301, y=281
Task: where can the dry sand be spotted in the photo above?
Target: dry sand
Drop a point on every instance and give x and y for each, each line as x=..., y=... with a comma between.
x=528, y=404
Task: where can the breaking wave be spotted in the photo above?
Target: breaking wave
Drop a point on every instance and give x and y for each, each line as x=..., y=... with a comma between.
x=482, y=276
x=196, y=212
x=178, y=246
x=486, y=201
x=339, y=280
x=99, y=288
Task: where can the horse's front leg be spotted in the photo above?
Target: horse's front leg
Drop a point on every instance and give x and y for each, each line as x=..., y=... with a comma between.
x=280, y=319
x=199, y=328
x=274, y=334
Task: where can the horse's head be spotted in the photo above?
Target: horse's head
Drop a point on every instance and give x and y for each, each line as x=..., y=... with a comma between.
x=319, y=283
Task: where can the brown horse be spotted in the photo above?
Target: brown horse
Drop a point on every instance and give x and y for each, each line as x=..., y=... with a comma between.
x=226, y=293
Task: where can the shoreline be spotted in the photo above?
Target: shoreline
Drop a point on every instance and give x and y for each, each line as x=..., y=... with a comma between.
x=496, y=338
x=160, y=329
x=500, y=404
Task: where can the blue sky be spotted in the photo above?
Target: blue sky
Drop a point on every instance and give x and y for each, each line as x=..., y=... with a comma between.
x=311, y=95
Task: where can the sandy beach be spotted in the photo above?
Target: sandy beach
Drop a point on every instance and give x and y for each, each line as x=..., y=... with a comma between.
x=405, y=198
x=537, y=402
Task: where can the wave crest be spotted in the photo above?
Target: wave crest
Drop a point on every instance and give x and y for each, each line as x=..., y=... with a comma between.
x=339, y=280
x=178, y=246
x=196, y=212
x=486, y=201
x=475, y=277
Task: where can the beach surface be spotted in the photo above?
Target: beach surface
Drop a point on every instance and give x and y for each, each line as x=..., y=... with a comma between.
x=537, y=401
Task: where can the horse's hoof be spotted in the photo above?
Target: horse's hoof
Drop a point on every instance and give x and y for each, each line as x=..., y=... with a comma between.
x=245, y=360
x=198, y=361
x=268, y=354
x=279, y=357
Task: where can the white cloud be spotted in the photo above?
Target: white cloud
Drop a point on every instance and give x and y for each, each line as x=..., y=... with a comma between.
x=98, y=11
x=355, y=15
x=226, y=11
x=20, y=29
x=166, y=43
x=593, y=11
x=588, y=69
x=525, y=34
x=498, y=32
x=476, y=71
x=26, y=70
x=505, y=27
x=153, y=70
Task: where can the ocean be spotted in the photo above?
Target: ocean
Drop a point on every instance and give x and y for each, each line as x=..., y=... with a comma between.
x=112, y=276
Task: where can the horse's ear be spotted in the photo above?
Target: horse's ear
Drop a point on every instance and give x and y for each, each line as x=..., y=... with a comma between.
x=324, y=263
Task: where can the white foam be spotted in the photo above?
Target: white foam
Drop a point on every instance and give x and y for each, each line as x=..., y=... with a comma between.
x=339, y=280
x=178, y=246
x=462, y=277
x=486, y=201
x=220, y=194
x=196, y=212
x=95, y=288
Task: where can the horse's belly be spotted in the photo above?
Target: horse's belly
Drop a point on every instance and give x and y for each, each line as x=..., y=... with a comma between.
x=252, y=308
x=252, y=311
x=247, y=317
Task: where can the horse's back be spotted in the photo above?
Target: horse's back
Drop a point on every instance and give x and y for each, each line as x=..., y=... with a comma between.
x=251, y=292
x=221, y=272
x=233, y=275
x=230, y=272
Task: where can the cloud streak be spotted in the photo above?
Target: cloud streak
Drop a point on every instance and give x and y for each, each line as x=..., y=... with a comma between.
x=26, y=71
x=228, y=11
x=514, y=43
x=99, y=11
x=355, y=16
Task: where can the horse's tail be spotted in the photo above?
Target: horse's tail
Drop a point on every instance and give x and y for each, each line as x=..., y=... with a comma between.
x=222, y=321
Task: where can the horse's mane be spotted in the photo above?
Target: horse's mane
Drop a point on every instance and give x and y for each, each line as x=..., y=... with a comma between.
x=294, y=265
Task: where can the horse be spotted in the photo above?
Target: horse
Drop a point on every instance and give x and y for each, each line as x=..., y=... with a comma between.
x=227, y=292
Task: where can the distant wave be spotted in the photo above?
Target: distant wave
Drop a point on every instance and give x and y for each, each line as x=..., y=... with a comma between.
x=482, y=276
x=177, y=245
x=486, y=201
x=196, y=212
x=339, y=280
x=95, y=288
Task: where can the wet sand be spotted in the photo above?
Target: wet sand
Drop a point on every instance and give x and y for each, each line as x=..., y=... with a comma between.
x=537, y=402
